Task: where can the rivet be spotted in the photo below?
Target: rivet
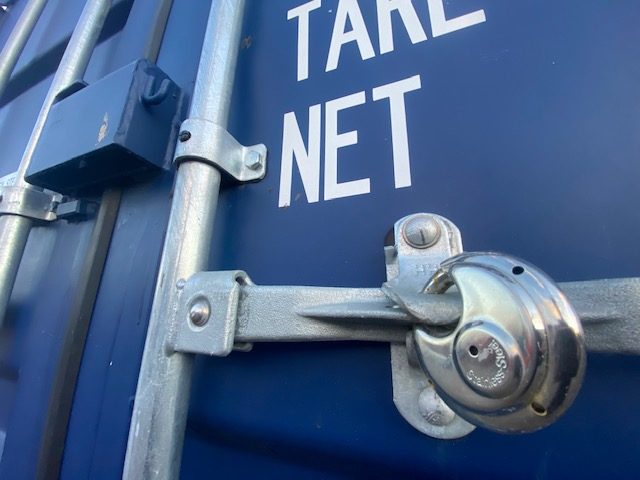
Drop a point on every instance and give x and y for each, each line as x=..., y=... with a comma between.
x=421, y=231
x=200, y=312
x=433, y=409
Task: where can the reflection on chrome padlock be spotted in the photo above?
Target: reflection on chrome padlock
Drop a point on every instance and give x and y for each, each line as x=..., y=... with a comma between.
x=516, y=359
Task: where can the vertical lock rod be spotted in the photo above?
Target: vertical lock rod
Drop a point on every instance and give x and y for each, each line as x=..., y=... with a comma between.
x=18, y=39
x=160, y=410
x=14, y=229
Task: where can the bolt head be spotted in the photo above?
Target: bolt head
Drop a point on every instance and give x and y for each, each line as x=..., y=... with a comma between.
x=200, y=312
x=421, y=231
x=253, y=160
x=184, y=135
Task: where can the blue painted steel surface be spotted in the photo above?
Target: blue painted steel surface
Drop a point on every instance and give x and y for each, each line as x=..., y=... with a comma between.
x=524, y=132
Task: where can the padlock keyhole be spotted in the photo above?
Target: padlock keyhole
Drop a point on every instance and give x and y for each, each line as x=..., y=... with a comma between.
x=538, y=409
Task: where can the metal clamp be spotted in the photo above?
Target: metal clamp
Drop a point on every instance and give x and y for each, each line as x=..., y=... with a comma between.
x=28, y=202
x=476, y=339
x=208, y=142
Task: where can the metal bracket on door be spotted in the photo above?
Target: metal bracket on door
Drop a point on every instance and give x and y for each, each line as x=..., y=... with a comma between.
x=476, y=339
x=43, y=205
x=28, y=202
x=210, y=143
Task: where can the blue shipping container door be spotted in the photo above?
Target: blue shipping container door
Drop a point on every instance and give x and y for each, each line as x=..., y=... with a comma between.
x=519, y=121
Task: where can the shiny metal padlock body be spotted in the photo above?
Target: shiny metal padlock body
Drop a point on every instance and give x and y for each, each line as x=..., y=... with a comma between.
x=516, y=359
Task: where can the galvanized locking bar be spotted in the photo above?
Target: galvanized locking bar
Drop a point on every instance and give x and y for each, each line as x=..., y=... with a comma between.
x=217, y=310
x=205, y=150
x=18, y=39
x=608, y=310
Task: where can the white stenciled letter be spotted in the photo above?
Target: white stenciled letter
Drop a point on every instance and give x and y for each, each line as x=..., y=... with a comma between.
x=395, y=93
x=351, y=10
x=441, y=26
x=333, y=141
x=409, y=19
x=308, y=160
x=302, y=13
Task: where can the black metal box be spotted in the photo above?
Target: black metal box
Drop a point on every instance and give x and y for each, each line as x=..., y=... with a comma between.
x=113, y=131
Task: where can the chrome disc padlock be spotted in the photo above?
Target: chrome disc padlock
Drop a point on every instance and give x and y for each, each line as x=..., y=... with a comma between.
x=516, y=359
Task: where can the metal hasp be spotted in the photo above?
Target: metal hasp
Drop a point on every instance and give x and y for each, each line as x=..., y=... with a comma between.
x=421, y=243
x=477, y=339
